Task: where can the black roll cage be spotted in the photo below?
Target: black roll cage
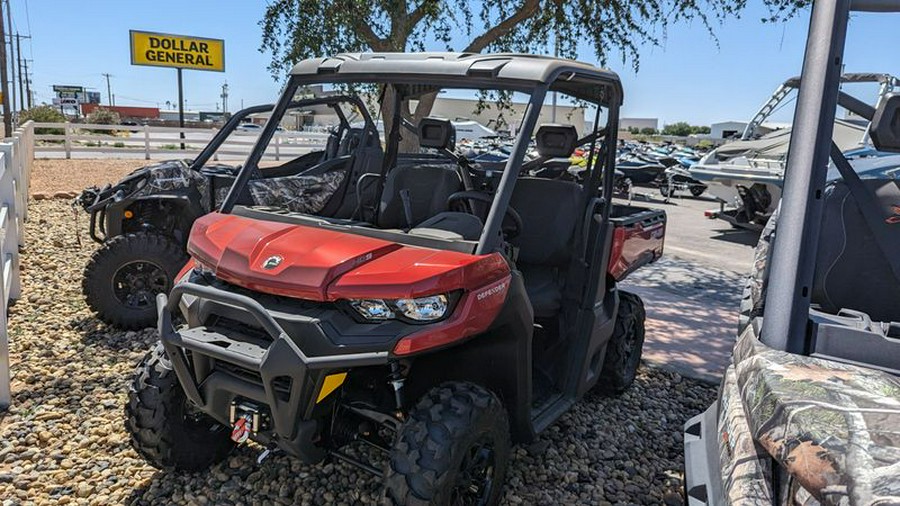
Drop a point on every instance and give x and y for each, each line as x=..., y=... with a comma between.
x=562, y=80
x=786, y=320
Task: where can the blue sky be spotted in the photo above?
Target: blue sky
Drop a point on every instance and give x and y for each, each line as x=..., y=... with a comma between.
x=688, y=78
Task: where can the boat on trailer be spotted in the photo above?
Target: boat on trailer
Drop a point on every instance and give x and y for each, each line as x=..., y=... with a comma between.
x=747, y=175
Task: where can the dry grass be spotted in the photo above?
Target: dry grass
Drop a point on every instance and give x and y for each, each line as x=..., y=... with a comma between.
x=53, y=176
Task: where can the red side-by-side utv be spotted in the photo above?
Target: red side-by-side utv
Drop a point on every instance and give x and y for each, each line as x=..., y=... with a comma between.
x=401, y=296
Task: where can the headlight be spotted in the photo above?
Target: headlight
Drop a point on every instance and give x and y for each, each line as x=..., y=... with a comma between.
x=204, y=270
x=421, y=309
x=375, y=309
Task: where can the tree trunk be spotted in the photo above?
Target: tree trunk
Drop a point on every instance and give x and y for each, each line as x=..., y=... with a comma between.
x=409, y=142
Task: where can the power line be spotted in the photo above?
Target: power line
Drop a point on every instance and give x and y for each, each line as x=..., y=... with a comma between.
x=27, y=18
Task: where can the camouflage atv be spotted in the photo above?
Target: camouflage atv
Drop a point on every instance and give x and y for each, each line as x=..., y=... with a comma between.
x=809, y=410
x=142, y=223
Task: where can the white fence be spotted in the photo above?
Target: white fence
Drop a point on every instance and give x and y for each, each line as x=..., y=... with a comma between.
x=16, y=157
x=136, y=141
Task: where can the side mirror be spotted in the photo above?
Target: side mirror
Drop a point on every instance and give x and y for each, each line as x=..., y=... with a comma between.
x=556, y=141
x=885, y=127
x=436, y=133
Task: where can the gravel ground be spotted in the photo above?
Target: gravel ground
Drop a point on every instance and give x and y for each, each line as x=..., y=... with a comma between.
x=54, y=176
x=63, y=441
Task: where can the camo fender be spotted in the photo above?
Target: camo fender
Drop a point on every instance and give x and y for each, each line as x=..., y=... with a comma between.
x=835, y=428
x=746, y=470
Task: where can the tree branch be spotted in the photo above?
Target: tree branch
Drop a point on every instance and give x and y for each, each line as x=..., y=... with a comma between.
x=528, y=9
x=368, y=34
x=419, y=12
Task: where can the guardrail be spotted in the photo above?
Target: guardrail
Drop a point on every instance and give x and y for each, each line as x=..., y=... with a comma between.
x=16, y=158
x=69, y=138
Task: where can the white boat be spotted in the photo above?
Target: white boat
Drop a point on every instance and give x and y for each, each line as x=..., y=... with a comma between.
x=746, y=175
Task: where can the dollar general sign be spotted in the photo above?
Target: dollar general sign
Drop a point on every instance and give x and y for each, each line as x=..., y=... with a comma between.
x=178, y=51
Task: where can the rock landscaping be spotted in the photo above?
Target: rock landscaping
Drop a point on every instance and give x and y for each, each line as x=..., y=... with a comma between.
x=63, y=441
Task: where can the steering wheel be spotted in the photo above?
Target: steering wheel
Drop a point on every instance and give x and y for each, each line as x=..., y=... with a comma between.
x=509, y=230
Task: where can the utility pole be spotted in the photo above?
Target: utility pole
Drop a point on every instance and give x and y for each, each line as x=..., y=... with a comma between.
x=12, y=64
x=108, y=89
x=28, y=85
x=7, y=115
x=21, y=76
x=224, y=97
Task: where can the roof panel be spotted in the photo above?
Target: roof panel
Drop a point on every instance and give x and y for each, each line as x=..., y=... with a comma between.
x=501, y=66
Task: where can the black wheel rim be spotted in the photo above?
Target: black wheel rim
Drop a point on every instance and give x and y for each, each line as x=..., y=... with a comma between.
x=475, y=481
x=136, y=284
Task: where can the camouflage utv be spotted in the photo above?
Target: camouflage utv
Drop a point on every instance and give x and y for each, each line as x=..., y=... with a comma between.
x=809, y=410
x=143, y=222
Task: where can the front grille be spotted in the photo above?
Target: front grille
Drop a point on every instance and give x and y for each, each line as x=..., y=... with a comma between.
x=281, y=384
x=240, y=330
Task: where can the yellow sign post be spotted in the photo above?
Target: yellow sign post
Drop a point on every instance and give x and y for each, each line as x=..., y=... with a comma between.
x=177, y=51
x=180, y=52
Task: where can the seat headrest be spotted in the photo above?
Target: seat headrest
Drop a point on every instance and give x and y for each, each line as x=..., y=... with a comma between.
x=556, y=141
x=436, y=133
x=885, y=128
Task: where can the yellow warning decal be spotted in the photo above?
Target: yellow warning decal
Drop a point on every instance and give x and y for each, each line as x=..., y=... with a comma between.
x=331, y=383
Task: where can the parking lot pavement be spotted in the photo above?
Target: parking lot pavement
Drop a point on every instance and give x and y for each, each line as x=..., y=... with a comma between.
x=692, y=236
x=693, y=294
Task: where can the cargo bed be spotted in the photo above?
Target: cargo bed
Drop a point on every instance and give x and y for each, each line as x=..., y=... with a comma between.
x=638, y=237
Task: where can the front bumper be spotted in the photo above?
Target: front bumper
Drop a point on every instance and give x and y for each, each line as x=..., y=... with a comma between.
x=217, y=367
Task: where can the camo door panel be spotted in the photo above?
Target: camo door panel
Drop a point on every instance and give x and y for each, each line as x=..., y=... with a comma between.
x=301, y=194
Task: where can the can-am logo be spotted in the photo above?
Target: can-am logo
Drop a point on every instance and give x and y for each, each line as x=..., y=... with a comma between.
x=491, y=291
x=272, y=262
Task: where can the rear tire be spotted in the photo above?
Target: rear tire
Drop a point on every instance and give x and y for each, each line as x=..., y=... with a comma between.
x=455, y=442
x=697, y=190
x=164, y=430
x=623, y=353
x=665, y=190
x=122, y=278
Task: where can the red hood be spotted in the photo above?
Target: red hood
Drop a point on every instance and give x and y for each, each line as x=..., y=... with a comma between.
x=323, y=265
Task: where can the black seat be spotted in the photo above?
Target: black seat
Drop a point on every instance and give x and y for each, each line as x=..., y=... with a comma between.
x=851, y=269
x=426, y=188
x=550, y=210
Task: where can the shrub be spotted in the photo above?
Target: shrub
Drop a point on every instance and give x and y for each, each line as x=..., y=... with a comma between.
x=44, y=114
x=103, y=116
x=119, y=144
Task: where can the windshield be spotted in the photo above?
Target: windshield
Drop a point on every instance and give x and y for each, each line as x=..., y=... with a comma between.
x=415, y=159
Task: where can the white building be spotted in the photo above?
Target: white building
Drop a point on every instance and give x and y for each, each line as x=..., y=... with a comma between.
x=638, y=123
x=727, y=129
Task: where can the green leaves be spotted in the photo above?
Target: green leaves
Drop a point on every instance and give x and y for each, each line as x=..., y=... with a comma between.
x=297, y=29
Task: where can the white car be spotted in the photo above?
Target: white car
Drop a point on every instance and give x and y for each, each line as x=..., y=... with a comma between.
x=248, y=127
